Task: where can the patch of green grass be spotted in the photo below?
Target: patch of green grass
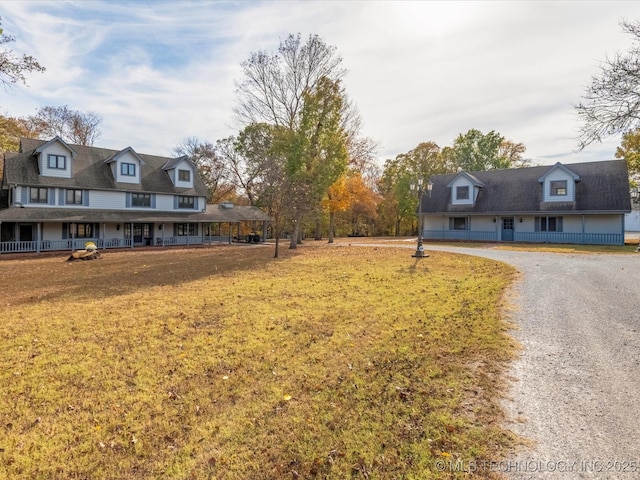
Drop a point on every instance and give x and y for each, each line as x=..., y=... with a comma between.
x=228, y=364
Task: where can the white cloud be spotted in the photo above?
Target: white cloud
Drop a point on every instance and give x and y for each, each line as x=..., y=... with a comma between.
x=418, y=71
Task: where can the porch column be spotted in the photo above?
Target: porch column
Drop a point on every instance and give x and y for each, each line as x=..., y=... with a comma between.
x=38, y=236
x=131, y=234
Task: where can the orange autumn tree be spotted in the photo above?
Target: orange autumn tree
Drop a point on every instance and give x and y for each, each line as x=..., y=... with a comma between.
x=350, y=193
x=337, y=199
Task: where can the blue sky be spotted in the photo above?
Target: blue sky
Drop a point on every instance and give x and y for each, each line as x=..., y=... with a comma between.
x=159, y=72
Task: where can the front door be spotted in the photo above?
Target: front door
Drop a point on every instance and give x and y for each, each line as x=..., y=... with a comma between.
x=507, y=229
x=142, y=233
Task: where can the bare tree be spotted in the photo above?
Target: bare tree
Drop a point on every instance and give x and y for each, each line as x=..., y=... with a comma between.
x=12, y=67
x=274, y=84
x=212, y=169
x=74, y=126
x=611, y=104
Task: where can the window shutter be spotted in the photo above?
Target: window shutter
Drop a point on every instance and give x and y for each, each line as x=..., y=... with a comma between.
x=153, y=200
x=24, y=192
x=175, y=202
x=62, y=197
x=195, y=203
x=128, y=200
x=51, y=196
x=85, y=198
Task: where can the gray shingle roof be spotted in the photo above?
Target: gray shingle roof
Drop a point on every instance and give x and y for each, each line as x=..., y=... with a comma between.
x=213, y=214
x=91, y=173
x=603, y=187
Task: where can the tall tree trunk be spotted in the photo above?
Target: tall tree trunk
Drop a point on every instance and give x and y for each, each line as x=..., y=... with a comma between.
x=293, y=244
x=318, y=235
x=331, y=222
x=276, y=234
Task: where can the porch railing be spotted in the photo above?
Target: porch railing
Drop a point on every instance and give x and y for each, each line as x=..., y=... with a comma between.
x=532, y=237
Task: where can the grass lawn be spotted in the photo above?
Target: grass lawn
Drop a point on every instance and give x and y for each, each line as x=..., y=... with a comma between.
x=224, y=363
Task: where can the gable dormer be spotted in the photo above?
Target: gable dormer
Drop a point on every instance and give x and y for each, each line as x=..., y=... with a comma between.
x=464, y=189
x=181, y=171
x=559, y=184
x=126, y=166
x=55, y=158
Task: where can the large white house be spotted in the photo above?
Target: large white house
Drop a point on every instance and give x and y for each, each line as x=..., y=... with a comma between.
x=58, y=196
x=573, y=203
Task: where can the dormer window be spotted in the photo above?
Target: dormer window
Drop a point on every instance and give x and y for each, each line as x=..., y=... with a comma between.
x=558, y=188
x=462, y=193
x=128, y=169
x=184, y=175
x=57, y=161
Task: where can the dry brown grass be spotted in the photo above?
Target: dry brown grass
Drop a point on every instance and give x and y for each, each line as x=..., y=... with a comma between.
x=225, y=363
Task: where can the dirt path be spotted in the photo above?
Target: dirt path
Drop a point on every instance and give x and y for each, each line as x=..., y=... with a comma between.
x=576, y=389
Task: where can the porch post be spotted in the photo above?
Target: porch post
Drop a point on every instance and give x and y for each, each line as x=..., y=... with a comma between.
x=131, y=232
x=38, y=236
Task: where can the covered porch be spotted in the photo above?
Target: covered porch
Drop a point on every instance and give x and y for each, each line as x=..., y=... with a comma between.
x=53, y=229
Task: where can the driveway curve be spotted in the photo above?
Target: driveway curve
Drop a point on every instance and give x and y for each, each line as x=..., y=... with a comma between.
x=576, y=385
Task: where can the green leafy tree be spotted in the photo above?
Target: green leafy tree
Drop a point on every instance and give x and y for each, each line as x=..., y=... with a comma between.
x=316, y=150
x=13, y=67
x=475, y=151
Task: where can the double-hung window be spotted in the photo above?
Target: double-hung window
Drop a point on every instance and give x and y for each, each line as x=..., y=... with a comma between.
x=548, y=224
x=185, y=229
x=186, y=202
x=458, y=223
x=558, y=188
x=81, y=230
x=38, y=195
x=57, y=161
x=184, y=175
x=128, y=169
x=462, y=193
x=140, y=199
x=74, y=197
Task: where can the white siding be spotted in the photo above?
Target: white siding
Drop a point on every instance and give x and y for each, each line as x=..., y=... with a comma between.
x=108, y=200
x=51, y=231
x=164, y=202
x=55, y=149
x=603, y=224
x=483, y=224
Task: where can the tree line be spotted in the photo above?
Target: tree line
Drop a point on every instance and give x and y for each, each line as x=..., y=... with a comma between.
x=300, y=154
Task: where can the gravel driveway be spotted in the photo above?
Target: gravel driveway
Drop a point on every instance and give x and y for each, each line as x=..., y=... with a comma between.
x=576, y=388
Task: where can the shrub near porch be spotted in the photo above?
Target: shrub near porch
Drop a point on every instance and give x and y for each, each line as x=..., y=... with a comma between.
x=226, y=363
